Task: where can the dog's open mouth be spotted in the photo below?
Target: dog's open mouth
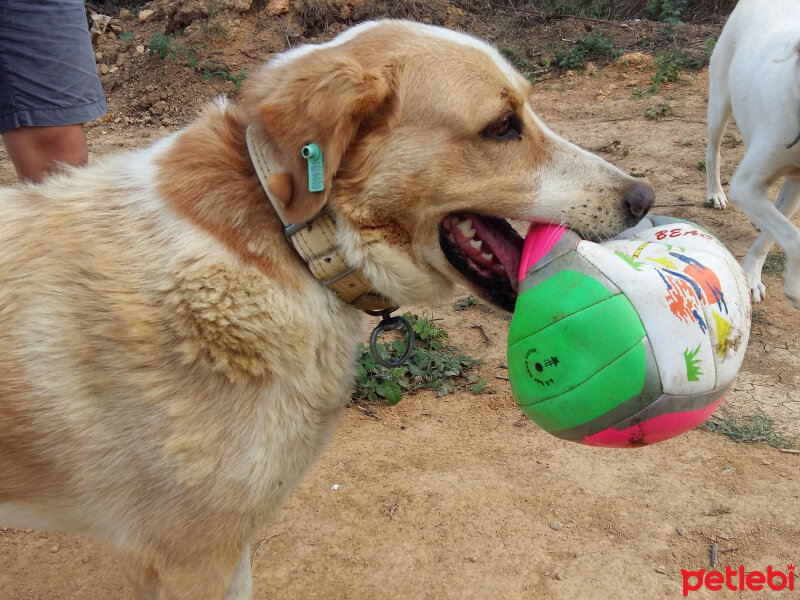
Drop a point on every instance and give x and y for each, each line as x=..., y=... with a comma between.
x=487, y=251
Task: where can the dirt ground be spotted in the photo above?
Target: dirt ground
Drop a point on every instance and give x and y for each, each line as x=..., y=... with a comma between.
x=461, y=496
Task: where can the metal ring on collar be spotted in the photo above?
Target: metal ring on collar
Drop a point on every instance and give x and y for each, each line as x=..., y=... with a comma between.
x=389, y=323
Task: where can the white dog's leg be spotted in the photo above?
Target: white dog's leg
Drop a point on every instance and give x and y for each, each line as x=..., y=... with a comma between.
x=787, y=203
x=749, y=191
x=241, y=587
x=719, y=113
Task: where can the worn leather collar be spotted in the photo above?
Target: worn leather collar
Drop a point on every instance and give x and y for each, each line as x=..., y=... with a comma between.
x=315, y=240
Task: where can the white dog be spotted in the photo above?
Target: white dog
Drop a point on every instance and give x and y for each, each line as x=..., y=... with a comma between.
x=755, y=74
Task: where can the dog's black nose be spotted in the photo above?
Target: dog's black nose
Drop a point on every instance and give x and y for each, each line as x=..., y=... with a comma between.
x=639, y=198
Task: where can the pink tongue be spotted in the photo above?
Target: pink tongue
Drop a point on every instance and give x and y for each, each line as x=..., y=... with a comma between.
x=541, y=237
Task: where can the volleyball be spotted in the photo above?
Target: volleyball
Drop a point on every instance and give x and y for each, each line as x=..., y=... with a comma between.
x=627, y=342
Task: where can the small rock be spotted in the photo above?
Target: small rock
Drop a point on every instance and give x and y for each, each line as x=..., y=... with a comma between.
x=145, y=14
x=54, y=549
x=140, y=49
x=113, y=69
x=104, y=69
x=555, y=526
x=721, y=535
x=166, y=122
x=661, y=569
x=681, y=531
x=159, y=108
x=336, y=486
x=728, y=470
x=472, y=559
x=558, y=575
x=117, y=29
x=124, y=13
x=277, y=7
x=98, y=56
x=85, y=560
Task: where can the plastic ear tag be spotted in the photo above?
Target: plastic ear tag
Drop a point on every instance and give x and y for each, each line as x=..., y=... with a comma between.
x=313, y=154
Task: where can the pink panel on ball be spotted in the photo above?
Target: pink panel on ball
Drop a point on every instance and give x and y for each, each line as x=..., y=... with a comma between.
x=651, y=431
x=541, y=237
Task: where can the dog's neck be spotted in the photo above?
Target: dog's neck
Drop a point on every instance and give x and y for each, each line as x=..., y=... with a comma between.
x=315, y=240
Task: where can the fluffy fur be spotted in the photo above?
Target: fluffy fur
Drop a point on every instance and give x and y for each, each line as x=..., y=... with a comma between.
x=755, y=76
x=168, y=367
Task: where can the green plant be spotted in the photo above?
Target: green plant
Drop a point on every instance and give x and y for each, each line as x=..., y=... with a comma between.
x=658, y=111
x=432, y=364
x=126, y=36
x=465, y=302
x=666, y=11
x=775, y=263
x=711, y=41
x=701, y=165
x=757, y=427
x=593, y=45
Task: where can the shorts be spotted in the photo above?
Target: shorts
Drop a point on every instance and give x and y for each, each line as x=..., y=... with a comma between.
x=48, y=74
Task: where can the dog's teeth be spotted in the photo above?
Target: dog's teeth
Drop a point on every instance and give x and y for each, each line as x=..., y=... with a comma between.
x=488, y=257
x=466, y=228
x=476, y=244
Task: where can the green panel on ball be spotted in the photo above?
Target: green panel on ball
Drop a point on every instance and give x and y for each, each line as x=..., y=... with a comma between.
x=615, y=384
x=571, y=350
x=559, y=296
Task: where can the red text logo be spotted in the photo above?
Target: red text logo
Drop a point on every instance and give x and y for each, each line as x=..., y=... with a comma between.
x=738, y=579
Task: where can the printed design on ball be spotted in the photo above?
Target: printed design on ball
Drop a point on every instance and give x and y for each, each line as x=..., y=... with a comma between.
x=693, y=365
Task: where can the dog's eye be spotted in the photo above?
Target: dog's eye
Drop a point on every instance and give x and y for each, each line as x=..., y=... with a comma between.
x=505, y=128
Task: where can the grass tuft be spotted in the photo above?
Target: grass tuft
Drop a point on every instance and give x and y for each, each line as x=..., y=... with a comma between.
x=750, y=429
x=432, y=365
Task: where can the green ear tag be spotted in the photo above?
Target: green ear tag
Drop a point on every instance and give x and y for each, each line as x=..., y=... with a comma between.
x=313, y=154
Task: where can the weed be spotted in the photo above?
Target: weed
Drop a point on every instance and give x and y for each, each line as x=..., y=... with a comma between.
x=169, y=49
x=731, y=140
x=701, y=165
x=709, y=47
x=465, y=302
x=626, y=151
x=531, y=71
x=658, y=112
x=593, y=45
x=126, y=36
x=757, y=427
x=666, y=11
x=775, y=264
x=688, y=143
x=432, y=364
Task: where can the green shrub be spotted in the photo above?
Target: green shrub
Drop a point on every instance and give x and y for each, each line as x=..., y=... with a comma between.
x=432, y=364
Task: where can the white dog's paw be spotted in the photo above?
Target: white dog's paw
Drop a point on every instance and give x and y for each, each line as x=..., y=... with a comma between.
x=758, y=292
x=717, y=200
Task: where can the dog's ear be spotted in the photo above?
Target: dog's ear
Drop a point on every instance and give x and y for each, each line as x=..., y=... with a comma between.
x=322, y=98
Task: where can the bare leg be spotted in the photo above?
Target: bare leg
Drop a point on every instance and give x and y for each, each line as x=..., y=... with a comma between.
x=37, y=151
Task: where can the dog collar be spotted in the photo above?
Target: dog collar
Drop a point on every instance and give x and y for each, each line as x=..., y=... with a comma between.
x=315, y=240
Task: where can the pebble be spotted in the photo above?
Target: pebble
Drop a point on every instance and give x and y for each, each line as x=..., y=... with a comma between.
x=681, y=531
x=104, y=69
x=124, y=13
x=145, y=14
x=559, y=575
x=661, y=569
x=555, y=526
x=54, y=549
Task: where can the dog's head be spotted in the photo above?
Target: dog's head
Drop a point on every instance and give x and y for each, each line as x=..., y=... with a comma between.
x=430, y=144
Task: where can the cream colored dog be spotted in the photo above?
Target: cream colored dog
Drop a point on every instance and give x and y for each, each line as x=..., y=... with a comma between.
x=170, y=367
